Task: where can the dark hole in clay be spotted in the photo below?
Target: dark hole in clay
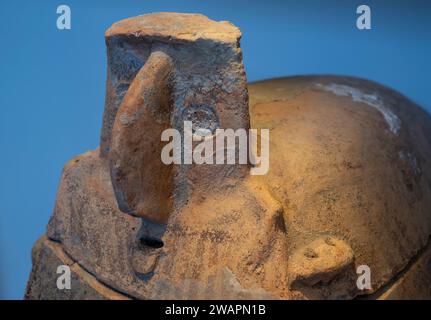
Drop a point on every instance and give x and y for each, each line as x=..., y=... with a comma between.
x=145, y=276
x=310, y=253
x=152, y=242
x=150, y=235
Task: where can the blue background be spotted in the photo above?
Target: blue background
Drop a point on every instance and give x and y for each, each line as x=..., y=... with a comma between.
x=52, y=82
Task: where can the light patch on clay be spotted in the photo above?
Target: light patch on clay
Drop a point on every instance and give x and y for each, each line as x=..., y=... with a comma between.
x=131, y=119
x=372, y=100
x=411, y=160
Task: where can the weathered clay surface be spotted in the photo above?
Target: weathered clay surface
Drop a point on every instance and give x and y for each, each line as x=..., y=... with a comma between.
x=174, y=67
x=47, y=256
x=202, y=252
x=117, y=248
x=413, y=284
x=349, y=180
x=339, y=169
x=175, y=27
x=91, y=228
x=207, y=58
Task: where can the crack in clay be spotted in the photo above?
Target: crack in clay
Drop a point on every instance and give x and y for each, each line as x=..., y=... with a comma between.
x=386, y=287
x=79, y=269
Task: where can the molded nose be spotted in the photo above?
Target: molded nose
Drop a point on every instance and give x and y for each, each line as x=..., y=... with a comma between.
x=141, y=182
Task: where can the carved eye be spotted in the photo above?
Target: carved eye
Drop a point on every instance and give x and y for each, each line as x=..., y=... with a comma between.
x=203, y=117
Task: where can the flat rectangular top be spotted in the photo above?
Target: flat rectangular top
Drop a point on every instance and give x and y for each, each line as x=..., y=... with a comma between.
x=175, y=26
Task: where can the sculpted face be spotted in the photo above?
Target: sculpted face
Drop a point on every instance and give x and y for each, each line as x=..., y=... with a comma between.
x=185, y=69
x=199, y=222
x=347, y=187
x=194, y=73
